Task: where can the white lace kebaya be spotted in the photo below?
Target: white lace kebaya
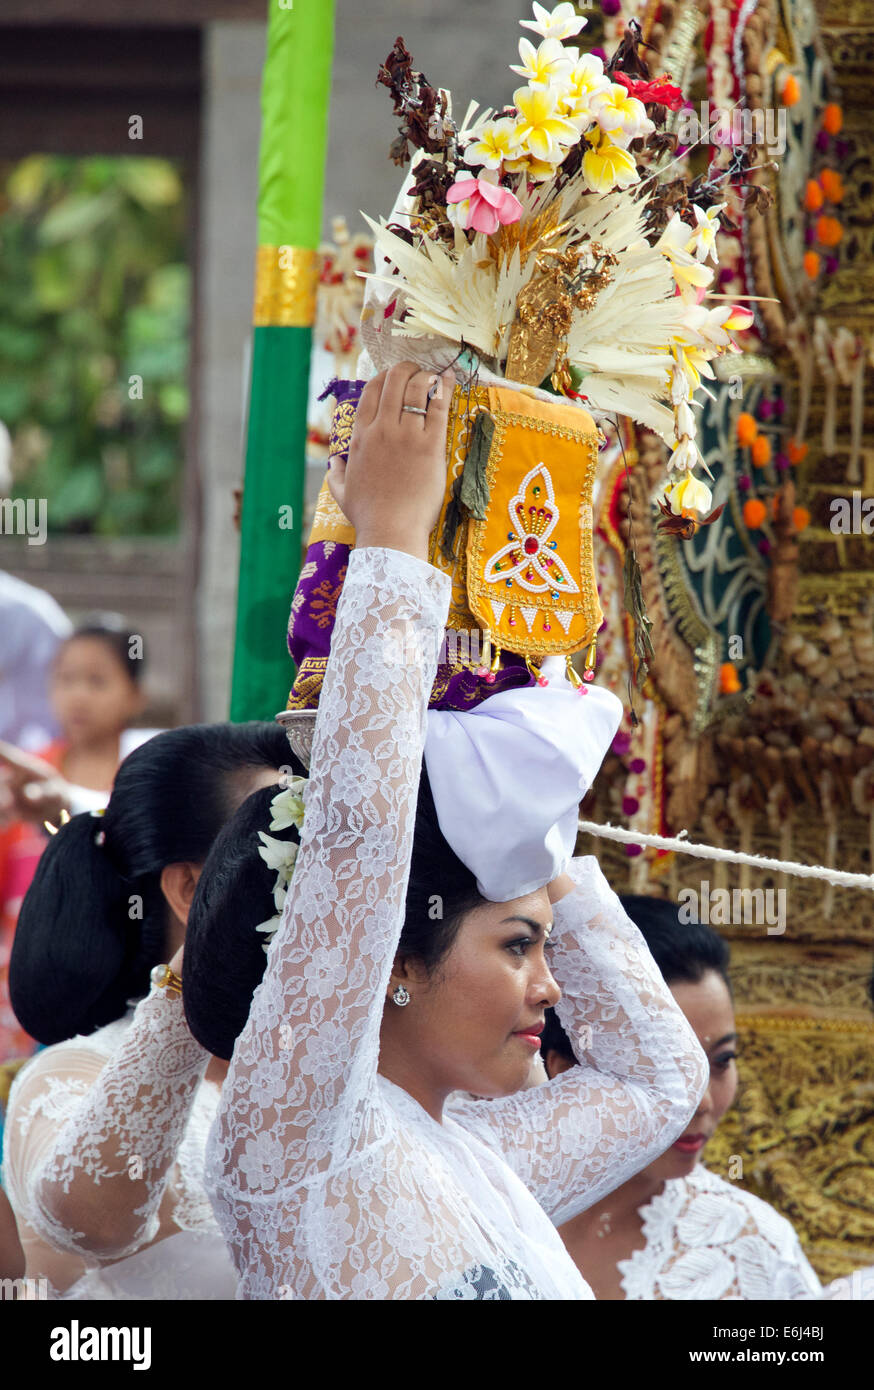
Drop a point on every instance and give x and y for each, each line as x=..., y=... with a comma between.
x=116, y=1125
x=709, y=1239
x=328, y=1180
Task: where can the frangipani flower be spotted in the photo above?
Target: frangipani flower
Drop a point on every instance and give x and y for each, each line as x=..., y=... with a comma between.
x=497, y=142
x=690, y=495
x=740, y=318
x=484, y=206
x=607, y=167
x=693, y=362
x=545, y=65
x=621, y=116
x=690, y=276
x=702, y=242
x=586, y=81
x=542, y=129
x=562, y=23
x=535, y=170
x=288, y=807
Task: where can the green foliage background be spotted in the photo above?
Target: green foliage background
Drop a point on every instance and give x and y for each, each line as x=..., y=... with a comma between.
x=94, y=289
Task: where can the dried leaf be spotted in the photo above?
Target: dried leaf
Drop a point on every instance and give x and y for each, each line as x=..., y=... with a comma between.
x=474, y=479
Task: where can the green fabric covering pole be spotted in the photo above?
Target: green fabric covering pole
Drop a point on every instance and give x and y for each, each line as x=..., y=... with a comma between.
x=295, y=94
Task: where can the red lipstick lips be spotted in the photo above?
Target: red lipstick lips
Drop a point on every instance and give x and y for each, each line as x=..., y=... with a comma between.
x=530, y=1035
x=690, y=1143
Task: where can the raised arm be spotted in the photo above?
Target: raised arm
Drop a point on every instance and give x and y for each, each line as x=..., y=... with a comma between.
x=641, y=1071
x=300, y=1088
x=91, y=1142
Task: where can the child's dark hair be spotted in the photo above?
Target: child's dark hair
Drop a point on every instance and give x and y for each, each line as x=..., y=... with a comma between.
x=93, y=923
x=112, y=630
x=224, y=957
x=682, y=951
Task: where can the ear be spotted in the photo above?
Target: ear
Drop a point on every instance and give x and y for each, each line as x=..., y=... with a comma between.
x=556, y=1063
x=405, y=971
x=178, y=882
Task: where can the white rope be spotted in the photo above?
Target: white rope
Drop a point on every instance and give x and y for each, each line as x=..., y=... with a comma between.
x=682, y=846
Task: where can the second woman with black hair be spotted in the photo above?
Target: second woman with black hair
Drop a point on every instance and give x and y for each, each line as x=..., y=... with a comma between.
x=676, y=1230
x=106, y=1128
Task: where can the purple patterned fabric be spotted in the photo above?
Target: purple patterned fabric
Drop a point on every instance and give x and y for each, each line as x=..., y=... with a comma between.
x=314, y=609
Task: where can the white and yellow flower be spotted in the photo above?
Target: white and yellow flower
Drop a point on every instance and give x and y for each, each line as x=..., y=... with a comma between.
x=689, y=494
x=690, y=275
x=607, y=166
x=621, y=116
x=702, y=242
x=543, y=131
x=535, y=170
x=693, y=362
x=496, y=142
x=547, y=65
x=585, y=82
x=562, y=23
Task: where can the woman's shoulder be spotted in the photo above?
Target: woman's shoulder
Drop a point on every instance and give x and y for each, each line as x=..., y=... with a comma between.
x=72, y=1063
x=707, y=1238
x=703, y=1183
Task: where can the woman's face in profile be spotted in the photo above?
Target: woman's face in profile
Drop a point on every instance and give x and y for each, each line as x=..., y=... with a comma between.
x=708, y=1007
x=474, y=1025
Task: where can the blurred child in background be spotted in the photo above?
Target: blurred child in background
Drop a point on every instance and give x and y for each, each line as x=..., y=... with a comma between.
x=96, y=694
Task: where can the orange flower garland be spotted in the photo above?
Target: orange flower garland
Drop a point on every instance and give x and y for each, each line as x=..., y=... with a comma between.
x=761, y=451
x=747, y=429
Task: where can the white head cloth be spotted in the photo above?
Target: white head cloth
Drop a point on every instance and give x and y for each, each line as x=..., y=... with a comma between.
x=508, y=777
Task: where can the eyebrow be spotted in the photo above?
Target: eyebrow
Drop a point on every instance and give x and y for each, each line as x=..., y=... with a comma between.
x=536, y=927
x=729, y=1037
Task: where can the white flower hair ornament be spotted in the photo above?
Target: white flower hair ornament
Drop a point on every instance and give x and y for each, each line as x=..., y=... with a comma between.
x=281, y=855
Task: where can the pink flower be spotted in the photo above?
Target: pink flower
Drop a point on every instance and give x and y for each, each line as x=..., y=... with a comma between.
x=488, y=205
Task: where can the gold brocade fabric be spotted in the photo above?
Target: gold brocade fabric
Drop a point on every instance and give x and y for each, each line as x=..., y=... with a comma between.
x=286, y=281
x=803, y=1130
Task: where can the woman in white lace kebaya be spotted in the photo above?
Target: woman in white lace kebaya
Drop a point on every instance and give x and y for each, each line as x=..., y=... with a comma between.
x=334, y=1169
x=106, y=1128
x=676, y=1230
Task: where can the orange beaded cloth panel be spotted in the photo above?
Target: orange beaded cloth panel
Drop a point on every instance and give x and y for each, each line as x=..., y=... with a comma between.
x=514, y=533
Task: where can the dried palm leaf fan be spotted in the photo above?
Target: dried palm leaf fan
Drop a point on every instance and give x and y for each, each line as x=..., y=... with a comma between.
x=536, y=250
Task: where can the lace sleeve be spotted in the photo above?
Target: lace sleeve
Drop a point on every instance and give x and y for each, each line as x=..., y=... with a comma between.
x=301, y=1095
x=91, y=1141
x=641, y=1070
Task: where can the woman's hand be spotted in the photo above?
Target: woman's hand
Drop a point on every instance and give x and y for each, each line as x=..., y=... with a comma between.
x=560, y=887
x=391, y=489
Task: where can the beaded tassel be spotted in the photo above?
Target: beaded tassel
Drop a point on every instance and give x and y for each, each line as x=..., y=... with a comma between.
x=533, y=671
x=495, y=667
x=574, y=678
x=589, y=672
x=483, y=668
